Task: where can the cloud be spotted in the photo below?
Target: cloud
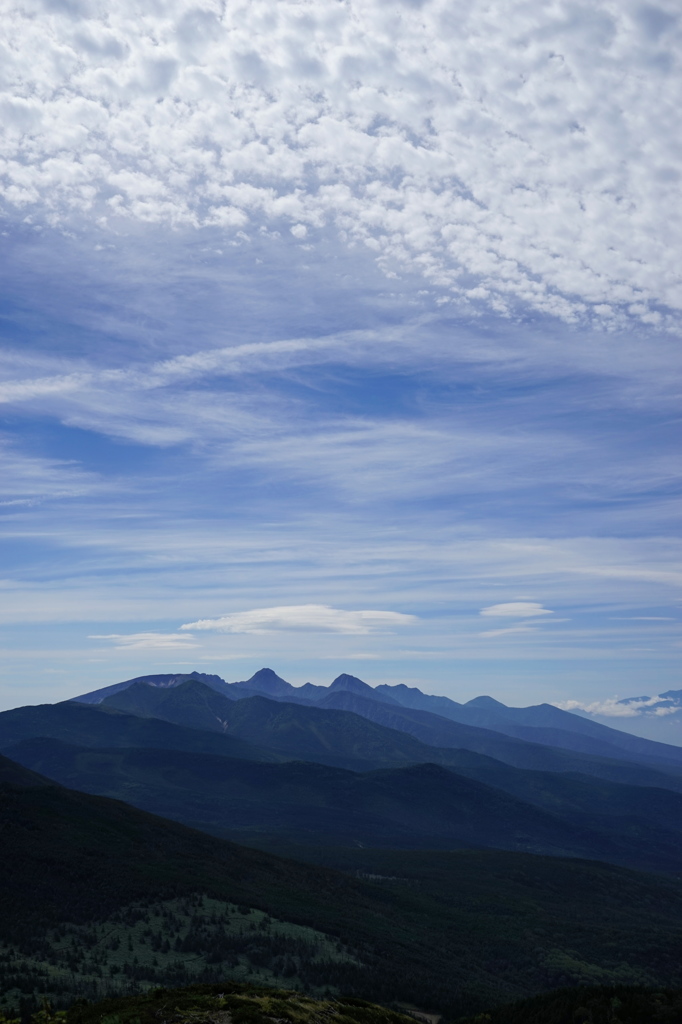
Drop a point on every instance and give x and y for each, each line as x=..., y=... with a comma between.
x=513, y=154
x=236, y=359
x=515, y=610
x=148, y=641
x=312, y=618
x=509, y=631
x=29, y=479
x=614, y=707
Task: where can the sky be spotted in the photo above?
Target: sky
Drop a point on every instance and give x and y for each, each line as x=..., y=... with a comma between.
x=343, y=336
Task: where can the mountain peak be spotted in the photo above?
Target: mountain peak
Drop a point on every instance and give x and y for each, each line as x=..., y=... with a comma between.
x=352, y=683
x=160, y=680
x=485, y=702
x=266, y=680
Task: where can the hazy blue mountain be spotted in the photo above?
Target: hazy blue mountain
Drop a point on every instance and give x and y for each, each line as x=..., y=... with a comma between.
x=333, y=732
x=412, y=697
x=162, y=680
x=537, y=754
x=668, y=699
x=351, y=684
x=101, y=726
x=420, y=806
x=265, y=683
x=191, y=703
x=541, y=723
x=263, y=729
x=297, y=731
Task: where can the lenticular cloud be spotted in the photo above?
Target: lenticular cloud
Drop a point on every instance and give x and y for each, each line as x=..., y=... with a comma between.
x=516, y=154
x=306, y=617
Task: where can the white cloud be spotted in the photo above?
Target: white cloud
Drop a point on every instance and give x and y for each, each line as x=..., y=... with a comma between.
x=515, y=610
x=148, y=641
x=305, y=617
x=512, y=153
x=614, y=707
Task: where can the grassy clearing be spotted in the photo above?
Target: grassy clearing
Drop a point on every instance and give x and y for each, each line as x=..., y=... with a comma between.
x=182, y=940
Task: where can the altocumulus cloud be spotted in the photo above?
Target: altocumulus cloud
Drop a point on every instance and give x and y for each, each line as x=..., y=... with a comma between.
x=306, y=617
x=513, y=153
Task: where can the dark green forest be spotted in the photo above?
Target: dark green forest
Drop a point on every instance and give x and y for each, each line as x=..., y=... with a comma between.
x=98, y=897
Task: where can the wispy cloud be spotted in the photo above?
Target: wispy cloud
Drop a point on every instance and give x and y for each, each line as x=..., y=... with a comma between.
x=509, y=631
x=148, y=641
x=311, y=618
x=30, y=479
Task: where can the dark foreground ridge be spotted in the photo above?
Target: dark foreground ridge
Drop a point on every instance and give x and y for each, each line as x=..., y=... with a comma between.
x=226, y=1003
x=621, y=1004
x=232, y=1003
x=97, y=897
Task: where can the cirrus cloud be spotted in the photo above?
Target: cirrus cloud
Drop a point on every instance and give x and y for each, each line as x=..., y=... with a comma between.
x=305, y=617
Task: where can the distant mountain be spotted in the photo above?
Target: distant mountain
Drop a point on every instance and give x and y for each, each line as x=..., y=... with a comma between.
x=348, y=731
x=100, y=726
x=163, y=680
x=301, y=732
x=417, y=807
x=541, y=723
x=191, y=703
x=265, y=683
x=440, y=732
x=412, y=697
x=351, y=684
x=544, y=723
x=668, y=699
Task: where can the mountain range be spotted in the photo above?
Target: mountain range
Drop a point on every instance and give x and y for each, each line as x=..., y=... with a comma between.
x=543, y=723
x=348, y=765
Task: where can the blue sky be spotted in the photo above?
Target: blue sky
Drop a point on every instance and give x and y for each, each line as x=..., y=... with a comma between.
x=342, y=338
